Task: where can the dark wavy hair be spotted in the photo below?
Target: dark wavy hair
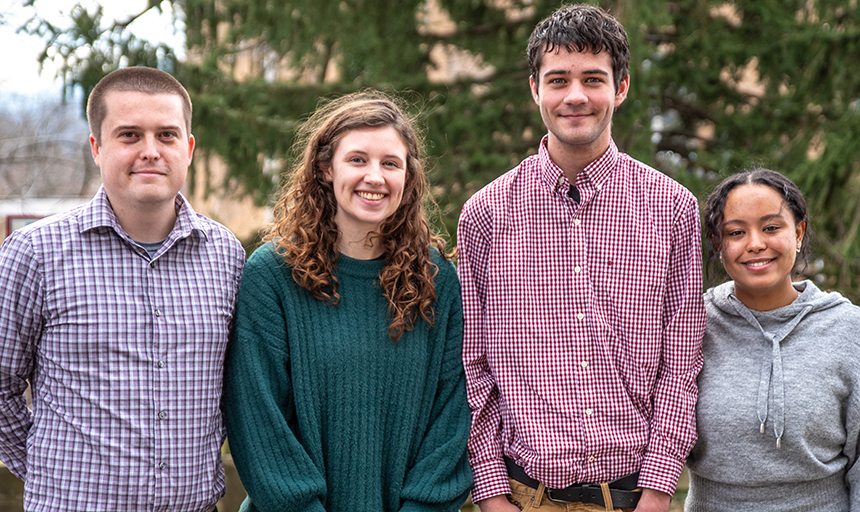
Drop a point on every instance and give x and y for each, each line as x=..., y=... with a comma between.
x=716, y=204
x=304, y=230
x=580, y=28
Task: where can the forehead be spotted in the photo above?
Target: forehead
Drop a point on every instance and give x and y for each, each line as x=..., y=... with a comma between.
x=751, y=202
x=562, y=59
x=140, y=108
x=383, y=138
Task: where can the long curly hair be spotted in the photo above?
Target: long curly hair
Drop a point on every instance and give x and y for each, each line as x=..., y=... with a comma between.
x=305, y=233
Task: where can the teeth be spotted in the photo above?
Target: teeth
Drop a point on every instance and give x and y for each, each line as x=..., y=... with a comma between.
x=758, y=264
x=371, y=197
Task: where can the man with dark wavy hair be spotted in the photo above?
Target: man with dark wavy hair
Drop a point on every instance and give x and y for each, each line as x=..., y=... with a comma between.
x=117, y=314
x=581, y=277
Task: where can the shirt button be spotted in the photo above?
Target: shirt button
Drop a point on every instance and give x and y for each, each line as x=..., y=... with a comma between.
x=151, y=264
x=561, y=180
x=598, y=187
x=162, y=415
x=161, y=465
x=577, y=269
x=584, y=364
x=590, y=458
x=576, y=222
x=580, y=316
x=160, y=364
x=157, y=312
x=588, y=412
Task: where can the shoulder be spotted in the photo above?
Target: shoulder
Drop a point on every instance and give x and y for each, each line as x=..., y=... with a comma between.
x=447, y=274
x=497, y=191
x=657, y=186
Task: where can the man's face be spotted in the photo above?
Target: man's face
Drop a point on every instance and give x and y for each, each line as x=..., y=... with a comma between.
x=576, y=95
x=144, y=152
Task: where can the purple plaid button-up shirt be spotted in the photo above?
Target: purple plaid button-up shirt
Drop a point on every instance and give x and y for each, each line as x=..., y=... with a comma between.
x=124, y=353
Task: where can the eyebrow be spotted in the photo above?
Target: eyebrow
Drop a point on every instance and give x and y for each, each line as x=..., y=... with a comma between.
x=137, y=127
x=566, y=72
x=763, y=217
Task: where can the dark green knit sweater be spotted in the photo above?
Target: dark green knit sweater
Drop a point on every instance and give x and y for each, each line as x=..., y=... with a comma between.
x=325, y=412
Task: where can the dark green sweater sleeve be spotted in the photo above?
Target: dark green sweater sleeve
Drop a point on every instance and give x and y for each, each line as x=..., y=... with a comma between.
x=277, y=472
x=441, y=477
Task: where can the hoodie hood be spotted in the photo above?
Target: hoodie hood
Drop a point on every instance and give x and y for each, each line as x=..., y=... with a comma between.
x=774, y=326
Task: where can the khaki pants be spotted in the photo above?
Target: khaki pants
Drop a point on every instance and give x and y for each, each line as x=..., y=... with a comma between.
x=526, y=498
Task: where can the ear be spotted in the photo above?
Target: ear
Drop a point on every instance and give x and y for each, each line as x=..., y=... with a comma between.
x=621, y=94
x=191, y=143
x=534, y=87
x=94, y=146
x=799, y=231
x=326, y=169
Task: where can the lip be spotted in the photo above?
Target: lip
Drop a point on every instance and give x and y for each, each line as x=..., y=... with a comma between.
x=371, y=196
x=758, y=264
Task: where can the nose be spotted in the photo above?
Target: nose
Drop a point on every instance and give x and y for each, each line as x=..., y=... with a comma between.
x=755, y=242
x=149, y=149
x=374, y=174
x=575, y=93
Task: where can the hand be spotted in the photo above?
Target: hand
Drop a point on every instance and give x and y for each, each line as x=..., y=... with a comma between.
x=498, y=503
x=653, y=500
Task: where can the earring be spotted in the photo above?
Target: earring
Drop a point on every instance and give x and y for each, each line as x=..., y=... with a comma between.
x=798, y=247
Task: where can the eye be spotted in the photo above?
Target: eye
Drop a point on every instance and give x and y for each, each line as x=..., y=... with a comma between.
x=735, y=232
x=356, y=160
x=557, y=81
x=127, y=135
x=594, y=80
x=169, y=135
x=771, y=228
x=391, y=163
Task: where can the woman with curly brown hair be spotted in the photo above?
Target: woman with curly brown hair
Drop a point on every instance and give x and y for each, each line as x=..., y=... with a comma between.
x=344, y=387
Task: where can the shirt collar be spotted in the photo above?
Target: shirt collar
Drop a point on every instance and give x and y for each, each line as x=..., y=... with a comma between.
x=99, y=213
x=597, y=173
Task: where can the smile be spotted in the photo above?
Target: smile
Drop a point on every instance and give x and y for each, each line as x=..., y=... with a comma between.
x=757, y=264
x=370, y=196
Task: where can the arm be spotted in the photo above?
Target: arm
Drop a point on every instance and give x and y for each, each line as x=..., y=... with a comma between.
x=441, y=477
x=485, y=444
x=20, y=328
x=275, y=469
x=673, y=423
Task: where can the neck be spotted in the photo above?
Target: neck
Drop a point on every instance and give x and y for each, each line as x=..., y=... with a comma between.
x=573, y=159
x=768, y=300
x=145, y=225
x=363, y=249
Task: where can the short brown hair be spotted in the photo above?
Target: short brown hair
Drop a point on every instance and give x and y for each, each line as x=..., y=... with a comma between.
x=580, y=28
x=135, y=79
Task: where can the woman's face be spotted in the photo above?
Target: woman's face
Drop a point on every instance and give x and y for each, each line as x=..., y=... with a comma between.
x=760, y=239
x=368, y=174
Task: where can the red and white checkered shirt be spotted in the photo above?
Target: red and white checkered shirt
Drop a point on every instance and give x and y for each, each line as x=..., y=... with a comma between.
x=583, y=324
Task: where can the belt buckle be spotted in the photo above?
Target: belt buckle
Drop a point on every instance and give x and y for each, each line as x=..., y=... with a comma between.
x=549, y=494
x=583, y=496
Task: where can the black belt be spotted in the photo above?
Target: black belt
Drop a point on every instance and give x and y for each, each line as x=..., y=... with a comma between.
x=621, y=490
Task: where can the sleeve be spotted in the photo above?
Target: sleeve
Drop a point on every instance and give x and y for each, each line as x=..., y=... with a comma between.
x=20, y=327
x=851, y=367
x=276, y=470
x=441, y=477
x=673, y=424
x=485, y=440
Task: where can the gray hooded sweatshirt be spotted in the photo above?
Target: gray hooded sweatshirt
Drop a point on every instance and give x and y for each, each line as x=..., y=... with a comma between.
x=779, y=406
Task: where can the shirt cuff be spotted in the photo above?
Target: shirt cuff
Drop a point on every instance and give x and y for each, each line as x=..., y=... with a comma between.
x=660, y=472
x=491, y=479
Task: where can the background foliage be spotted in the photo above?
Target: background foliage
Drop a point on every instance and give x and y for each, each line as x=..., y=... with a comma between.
x=716, y=86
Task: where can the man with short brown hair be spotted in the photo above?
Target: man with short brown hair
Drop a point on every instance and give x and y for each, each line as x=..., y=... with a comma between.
x=117, y=313
x=581, y=276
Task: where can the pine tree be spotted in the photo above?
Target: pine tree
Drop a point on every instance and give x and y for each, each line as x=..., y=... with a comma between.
x=716, y=87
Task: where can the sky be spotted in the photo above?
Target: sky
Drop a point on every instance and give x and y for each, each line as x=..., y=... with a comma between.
x=20, y=79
